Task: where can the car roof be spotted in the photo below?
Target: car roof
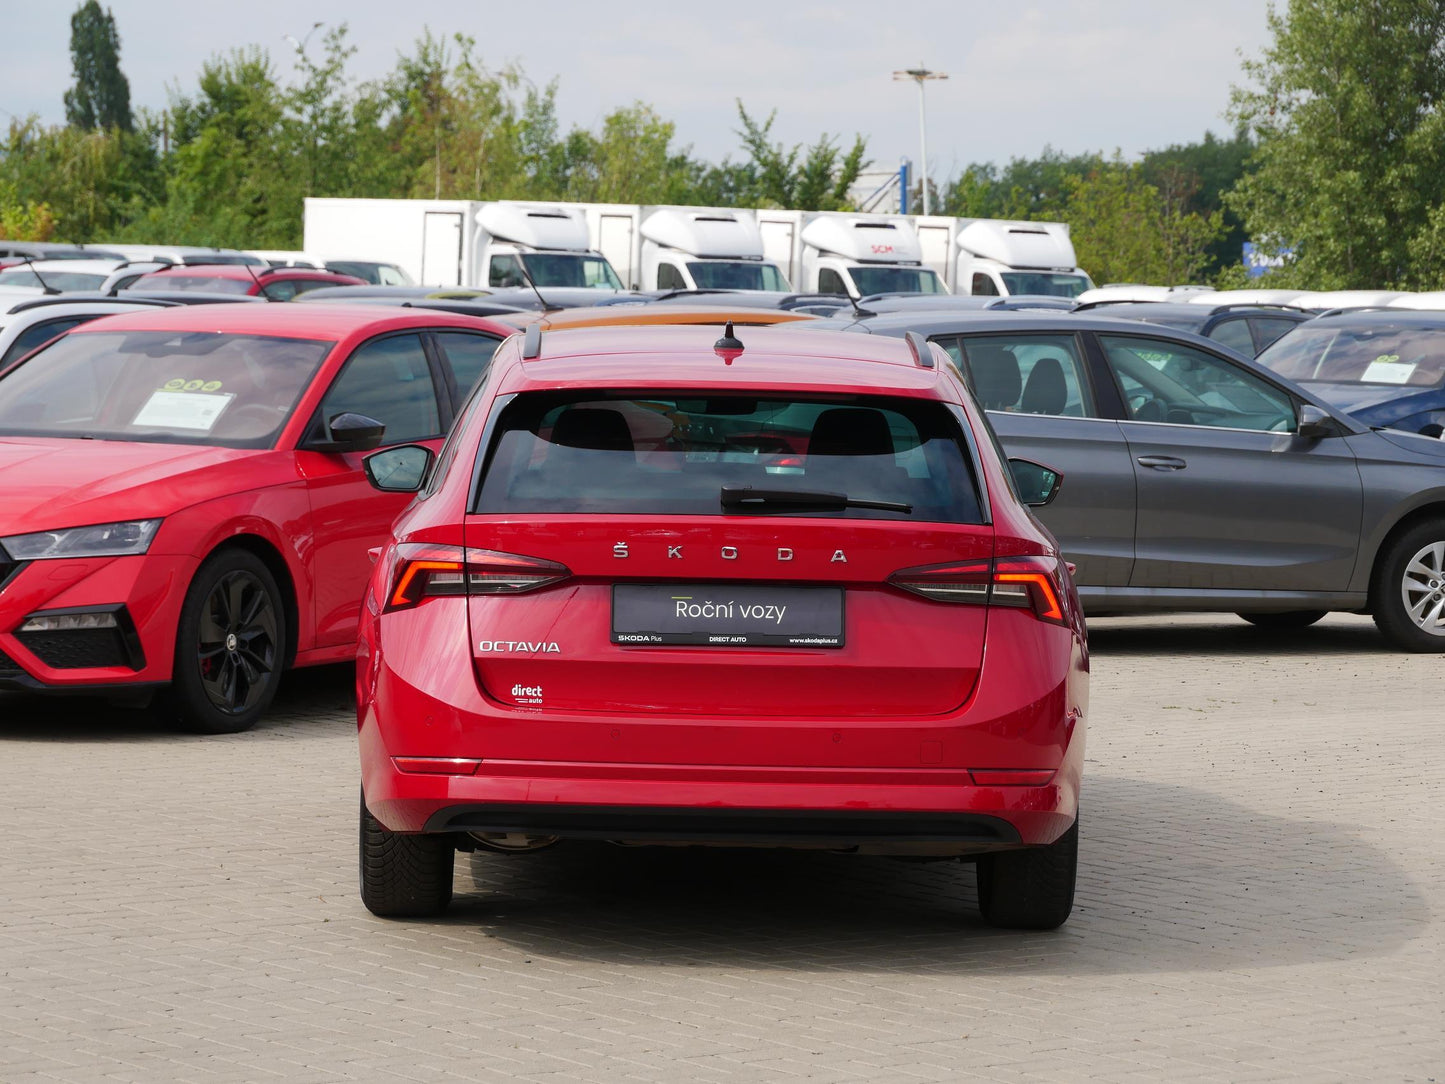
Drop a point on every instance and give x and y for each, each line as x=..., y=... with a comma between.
x=90, y=266
x=1390, y=317
x=245, y=272
x=985, y=320
x=330, y=322
x=640, y=315
x=686, y=356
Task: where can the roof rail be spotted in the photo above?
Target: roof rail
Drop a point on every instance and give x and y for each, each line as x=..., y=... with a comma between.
x=1101, y=302
x=77, y=298
x=532, y=341
x=1216, y=309
x=1363, y=308
x=922, y=352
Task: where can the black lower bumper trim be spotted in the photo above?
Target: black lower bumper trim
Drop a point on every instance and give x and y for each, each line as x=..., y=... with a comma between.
x=24, y=683
x=690, y=824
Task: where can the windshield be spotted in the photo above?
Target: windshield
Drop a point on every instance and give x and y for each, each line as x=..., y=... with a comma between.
x=570, y=269
x=378, y=274
x=232, y=391
x=56, y=280
x=672, y=454
x=203, y=284
x=1046, y=283
x=875, y=279
x=1409, y=356
x=736, y=275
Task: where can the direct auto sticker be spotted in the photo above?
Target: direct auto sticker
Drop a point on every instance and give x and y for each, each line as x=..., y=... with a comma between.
x=1388, y=369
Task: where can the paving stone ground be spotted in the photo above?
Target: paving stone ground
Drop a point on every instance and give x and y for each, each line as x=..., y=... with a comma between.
x=1262, y=897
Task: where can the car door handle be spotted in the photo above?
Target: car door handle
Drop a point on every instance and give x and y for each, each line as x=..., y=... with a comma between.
x=1162, y=462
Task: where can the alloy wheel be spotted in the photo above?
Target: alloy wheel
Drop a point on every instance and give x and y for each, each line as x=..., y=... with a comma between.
x=237, y=642
x=1423, y=589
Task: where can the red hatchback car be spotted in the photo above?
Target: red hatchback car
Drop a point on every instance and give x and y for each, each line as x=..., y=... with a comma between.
x=658, y=589
x=272, y=283
x=182, y=502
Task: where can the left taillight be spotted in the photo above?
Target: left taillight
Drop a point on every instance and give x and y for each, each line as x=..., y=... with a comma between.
x=422, y=570
x=1027, y=582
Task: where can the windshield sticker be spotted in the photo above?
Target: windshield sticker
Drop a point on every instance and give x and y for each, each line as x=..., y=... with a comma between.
x=180, y=383
x=1388, y=369
x=182, y=410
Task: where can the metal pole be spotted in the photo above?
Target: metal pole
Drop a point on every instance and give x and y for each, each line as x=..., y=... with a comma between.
x=923, y=147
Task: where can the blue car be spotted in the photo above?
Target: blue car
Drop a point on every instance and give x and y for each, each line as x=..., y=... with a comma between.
x=1385, y=367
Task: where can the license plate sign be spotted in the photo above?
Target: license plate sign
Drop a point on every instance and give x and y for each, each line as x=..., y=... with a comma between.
x=722, y=615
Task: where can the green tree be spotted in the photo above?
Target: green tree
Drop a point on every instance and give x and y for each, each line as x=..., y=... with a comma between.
x=816, y=178
x=1349, y=173
x=100, y=97
x=1211, y=167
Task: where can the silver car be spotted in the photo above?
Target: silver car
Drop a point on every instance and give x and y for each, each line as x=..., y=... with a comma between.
x=1195, y=479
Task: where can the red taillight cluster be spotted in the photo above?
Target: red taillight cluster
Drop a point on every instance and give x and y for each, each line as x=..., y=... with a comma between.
x=421, y=570
x=1027, y=582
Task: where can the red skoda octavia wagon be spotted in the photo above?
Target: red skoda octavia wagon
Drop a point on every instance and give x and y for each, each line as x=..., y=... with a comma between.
x=661, y=589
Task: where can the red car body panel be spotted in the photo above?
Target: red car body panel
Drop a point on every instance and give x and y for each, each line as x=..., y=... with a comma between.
x=314, y=511
x=441, y=727
x=256, y=279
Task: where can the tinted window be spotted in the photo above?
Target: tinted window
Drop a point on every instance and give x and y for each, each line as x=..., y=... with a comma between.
x=204, y=284
x=669, y=278
x=158, y=386
x=1374, y=354
x=56, y=280
x=830, y=282
x=567, y=269
x=1163, y=381
x=895, y=280
x=983, y=285
x=280, y=289
x=673, y=454
x=1027, y=374
x=506, y=271
x=1235, y=335
x=36, y=334
x=305, y=286
x=1268, y=329
x=389, y=380
x=1043, y=282
x=467, y=356
x=735, y=275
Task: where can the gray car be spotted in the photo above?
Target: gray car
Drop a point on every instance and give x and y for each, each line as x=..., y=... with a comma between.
x=1195, y=479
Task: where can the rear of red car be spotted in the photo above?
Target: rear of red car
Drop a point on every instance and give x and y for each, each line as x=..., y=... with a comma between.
x=742, y=605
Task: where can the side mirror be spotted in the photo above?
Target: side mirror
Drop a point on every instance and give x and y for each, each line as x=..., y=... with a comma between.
x=1314, y=423
x=403, y=469
x=1036, y=483
x=350, y=433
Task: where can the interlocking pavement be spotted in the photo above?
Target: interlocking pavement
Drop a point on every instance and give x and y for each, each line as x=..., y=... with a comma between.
x=1262, y=897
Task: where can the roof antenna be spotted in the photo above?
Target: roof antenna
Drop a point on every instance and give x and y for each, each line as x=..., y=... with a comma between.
x=260, y=288
x=729, y=341
x=546, y=306
x=858, y=310
x=29, y=262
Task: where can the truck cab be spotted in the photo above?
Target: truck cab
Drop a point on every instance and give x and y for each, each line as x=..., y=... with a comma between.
x=998, y=258
x=547, y=243
x=705, y=249
x=860, y=255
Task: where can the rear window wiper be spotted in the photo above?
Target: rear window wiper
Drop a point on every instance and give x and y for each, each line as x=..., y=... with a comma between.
x=747, y=499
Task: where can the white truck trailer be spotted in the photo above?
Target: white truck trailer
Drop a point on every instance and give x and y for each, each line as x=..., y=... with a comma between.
x=999, y=257
x=838, y=252
x=462, y=242
x=682, y=248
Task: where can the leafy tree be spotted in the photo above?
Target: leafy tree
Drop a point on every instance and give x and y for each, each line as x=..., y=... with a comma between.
x=817, y=179
x=101, y=95
x=22, y=220
x=1214, y=166
x=1346, y=104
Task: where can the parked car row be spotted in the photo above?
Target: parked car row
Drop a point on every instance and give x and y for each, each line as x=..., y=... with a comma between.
x=663, y=573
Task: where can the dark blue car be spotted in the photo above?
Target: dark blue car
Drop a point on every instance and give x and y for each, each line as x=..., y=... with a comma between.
x=1386, y=367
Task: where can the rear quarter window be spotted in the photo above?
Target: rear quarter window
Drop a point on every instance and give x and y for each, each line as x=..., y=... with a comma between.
x=668, y=453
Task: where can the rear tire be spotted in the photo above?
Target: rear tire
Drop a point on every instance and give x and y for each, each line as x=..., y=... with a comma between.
x=404, y=876
x=1030, y=889
x=1285, y=620
x=1408, y=596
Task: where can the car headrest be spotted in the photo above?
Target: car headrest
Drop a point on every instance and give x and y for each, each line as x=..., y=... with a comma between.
x=996, y=377
x=1046, y=391
x=594, y=428
x=851, y=431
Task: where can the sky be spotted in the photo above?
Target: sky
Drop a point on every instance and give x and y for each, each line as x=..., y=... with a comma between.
x=1075, y=75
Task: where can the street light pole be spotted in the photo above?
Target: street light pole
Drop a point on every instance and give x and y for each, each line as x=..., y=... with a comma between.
x=920, y=75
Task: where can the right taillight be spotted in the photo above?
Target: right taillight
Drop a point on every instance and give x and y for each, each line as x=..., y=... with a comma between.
x=1026, y=582
x=421, y=570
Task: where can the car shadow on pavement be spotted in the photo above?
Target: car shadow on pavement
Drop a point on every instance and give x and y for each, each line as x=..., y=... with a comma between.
x=1228, y=635
x=1171, y=879
x=309, y=703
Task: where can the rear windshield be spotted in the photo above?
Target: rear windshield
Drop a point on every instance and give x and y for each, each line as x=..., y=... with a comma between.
x=205, y=284
x=235, y=391
x=672, y=454
x=1410, y=356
